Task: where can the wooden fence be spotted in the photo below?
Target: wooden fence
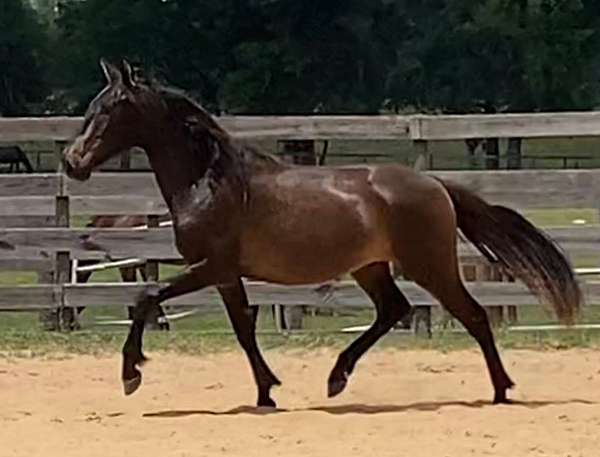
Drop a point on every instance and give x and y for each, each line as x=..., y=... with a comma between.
x=382, y=127
x=50, y=200
x=53, y=197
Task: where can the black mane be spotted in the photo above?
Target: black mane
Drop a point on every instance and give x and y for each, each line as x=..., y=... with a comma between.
x=219, y=153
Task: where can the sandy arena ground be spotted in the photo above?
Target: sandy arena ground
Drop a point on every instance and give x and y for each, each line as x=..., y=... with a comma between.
x=414, y=403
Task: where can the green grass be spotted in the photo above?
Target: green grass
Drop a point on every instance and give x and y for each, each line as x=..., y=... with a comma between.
x=35, y=343
x=562, y=217
x=20, y=334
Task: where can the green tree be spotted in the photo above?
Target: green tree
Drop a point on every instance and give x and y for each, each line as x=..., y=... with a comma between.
x=291, y=56
x=312, y=55
x=183, y=41
x=237, y=55
x=22, y=55
x=497, y=55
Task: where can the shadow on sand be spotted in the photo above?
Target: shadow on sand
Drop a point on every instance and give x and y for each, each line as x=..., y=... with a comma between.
x=359, y=408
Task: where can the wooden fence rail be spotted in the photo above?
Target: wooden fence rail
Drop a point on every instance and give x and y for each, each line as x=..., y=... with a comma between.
x=158, y=244
x=137, y=193
x=345, y=294
x=375, y=127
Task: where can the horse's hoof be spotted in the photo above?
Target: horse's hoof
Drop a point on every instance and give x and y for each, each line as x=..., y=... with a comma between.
x=131, y=385
x=266, y=403
x=501, y=399
x=336, y=386
x=500, y=394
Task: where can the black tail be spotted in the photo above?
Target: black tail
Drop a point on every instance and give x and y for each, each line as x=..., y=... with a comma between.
x=527, y=253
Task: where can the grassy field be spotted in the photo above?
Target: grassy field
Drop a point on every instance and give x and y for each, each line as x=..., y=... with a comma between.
x=31, y=342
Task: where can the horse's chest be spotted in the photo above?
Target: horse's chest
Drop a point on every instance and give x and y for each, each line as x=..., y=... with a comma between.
x=200, y=222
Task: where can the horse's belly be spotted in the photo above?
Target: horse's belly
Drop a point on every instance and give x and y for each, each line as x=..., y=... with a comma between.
x=313, y=251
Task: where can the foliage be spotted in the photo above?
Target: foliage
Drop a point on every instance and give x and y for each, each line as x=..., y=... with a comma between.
x=22, y=58
x=497, y=55
x=291, y=56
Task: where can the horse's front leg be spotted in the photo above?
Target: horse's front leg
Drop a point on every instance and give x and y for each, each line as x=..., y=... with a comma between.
x=147, y=306
x=243, y=321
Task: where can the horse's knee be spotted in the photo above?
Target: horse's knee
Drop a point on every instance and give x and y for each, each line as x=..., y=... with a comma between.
x=146, y=301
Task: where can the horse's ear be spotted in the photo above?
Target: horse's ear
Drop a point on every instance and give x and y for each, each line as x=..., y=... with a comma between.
x=112, y=73
x=128, y=76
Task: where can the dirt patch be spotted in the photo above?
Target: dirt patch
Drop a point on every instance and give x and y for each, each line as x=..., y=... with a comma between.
x=417, y=403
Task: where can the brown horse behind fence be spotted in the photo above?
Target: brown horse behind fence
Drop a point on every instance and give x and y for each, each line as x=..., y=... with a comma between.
x=128, y=274
x=241, y=213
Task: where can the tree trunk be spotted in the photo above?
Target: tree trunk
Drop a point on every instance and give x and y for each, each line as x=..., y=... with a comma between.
x=302, y=152
x=472, y=144
x=513, y=153
x=492, y=156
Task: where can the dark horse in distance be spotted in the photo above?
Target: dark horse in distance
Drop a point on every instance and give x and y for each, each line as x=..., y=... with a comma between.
x=128, y=274
x=239, y=213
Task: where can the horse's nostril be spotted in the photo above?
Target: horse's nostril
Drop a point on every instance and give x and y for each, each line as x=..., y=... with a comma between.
x=68, y=166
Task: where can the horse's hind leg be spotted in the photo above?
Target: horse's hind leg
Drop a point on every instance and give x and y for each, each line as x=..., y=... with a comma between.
x=460, y=303
x=391, y=306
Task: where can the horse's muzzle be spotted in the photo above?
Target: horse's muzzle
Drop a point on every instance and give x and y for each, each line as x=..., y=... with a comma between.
x=71, y=166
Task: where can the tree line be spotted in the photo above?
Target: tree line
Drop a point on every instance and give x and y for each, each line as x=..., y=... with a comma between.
x=307, y=56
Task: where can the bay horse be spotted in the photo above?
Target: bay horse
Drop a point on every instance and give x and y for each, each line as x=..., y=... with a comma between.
x=240, y=213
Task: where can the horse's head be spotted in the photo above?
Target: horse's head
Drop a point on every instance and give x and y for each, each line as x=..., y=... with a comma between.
x=113, y=123
x=129, y=113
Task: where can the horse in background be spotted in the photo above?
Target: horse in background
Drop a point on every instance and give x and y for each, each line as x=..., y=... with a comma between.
x=128, y=274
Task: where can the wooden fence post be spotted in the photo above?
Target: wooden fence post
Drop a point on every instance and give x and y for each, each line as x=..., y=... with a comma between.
x=513, y=153
x=469, y=274
x=125, y=160
x=511, y=311
x=490, y=272
x=51, y=318
x=481, y=270
x=67, y=317
x=58, y=148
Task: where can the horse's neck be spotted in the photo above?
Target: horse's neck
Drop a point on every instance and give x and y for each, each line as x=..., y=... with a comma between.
x=176, y=170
